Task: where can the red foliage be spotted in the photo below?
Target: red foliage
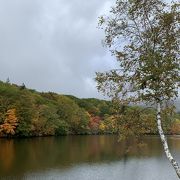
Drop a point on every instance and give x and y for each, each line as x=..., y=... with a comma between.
x=94, y=123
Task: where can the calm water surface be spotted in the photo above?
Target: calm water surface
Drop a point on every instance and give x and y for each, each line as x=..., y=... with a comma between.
x=85, y=158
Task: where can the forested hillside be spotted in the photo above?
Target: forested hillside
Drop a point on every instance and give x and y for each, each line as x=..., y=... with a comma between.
x=25, y=112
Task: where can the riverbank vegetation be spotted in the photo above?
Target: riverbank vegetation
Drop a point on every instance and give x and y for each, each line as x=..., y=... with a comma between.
x=25, y=112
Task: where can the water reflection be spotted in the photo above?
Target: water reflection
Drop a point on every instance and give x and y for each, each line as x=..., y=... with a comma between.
x=7, y=155
x=67, y=157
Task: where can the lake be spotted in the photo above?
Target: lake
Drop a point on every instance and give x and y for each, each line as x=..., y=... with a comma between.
x=86, y=158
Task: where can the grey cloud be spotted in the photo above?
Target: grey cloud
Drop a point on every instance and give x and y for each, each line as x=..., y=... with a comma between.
x=53, y=45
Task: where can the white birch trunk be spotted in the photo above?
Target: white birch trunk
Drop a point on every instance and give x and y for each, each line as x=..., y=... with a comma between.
x=164, y=142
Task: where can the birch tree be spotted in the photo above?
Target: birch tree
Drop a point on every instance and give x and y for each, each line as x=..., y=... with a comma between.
x=144, y=36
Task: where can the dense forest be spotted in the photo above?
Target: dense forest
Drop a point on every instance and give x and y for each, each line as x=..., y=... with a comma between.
x=25, y=112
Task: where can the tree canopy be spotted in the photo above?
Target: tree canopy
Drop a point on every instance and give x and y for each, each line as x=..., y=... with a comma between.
x=144, y=35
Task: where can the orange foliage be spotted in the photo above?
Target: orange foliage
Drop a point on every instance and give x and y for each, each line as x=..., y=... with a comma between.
x=7, y=154
x=10, y=123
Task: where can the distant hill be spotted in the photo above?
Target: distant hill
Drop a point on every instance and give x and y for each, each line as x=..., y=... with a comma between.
x=26, y=112
x=40, y=114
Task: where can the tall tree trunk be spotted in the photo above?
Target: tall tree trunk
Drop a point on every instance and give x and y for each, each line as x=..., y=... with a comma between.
x=164, y=141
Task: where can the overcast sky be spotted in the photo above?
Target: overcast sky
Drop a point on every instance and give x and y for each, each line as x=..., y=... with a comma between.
x=53, y=45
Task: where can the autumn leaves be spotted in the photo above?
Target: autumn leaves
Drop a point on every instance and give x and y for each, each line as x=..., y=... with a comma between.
x=10, y=123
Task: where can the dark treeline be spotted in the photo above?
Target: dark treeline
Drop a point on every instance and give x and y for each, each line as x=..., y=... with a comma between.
x=25, y=112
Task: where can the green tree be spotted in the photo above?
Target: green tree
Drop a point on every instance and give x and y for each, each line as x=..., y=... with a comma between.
x=26, y=112
x=145, y=38
x=76, y=117
x=45, y=121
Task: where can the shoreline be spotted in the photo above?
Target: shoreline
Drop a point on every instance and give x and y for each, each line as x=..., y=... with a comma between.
x=70, y=135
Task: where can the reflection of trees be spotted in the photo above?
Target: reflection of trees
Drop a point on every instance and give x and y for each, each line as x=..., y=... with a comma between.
x=60, y=152
x=6, y=155
x=174, y=143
